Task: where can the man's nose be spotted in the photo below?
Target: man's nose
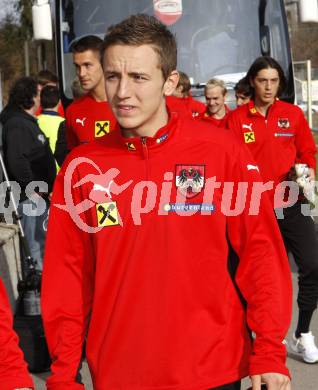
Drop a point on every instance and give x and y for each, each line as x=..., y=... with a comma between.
x=123, y=90
x=81, y=71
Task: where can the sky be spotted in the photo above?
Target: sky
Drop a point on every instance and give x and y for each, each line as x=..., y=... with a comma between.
x=5, y=7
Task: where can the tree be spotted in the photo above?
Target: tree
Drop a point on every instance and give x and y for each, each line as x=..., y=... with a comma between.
x=15, y=32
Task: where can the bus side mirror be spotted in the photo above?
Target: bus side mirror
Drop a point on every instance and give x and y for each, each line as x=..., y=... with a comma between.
x=265, y=40
x=308, y=11
x=42, y=20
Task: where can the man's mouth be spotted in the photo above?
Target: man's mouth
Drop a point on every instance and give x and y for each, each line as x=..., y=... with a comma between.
x=125, y=108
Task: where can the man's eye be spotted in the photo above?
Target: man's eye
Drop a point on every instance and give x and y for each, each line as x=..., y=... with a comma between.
x=139, y=77
x=110, y=77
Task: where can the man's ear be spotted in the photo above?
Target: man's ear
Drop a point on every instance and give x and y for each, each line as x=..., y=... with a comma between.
x=171, y=83
x=251, y=82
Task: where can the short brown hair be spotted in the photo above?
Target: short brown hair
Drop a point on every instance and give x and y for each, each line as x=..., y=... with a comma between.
x=45, y=77
x=143, y=29
x=185, y=83
x=88, y=42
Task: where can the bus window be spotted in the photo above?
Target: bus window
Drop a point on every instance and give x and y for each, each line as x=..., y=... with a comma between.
x=216, y=38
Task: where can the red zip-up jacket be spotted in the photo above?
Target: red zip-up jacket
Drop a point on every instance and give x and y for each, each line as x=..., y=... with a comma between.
x=277, y=141
x=205, y=116
x=86, y=120
x=13, y=369
x=185, y=106
x=150, y=287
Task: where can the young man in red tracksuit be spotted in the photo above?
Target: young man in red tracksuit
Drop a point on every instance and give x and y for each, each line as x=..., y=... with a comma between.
x=90, y=116
x=216, y=110
x=181, y=101
x=13, y=369
x=278, y=136
x=145, y=243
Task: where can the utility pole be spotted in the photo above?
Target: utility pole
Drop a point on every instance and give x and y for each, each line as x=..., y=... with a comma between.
x=26, y=58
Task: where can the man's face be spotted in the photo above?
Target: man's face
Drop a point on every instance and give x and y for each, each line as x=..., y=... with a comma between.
x=266, y=85
x=135, y=87
x=241, y=99
x=215, y=100
x=88, y=69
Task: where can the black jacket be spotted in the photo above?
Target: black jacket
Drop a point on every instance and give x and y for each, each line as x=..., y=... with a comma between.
x=26, y=150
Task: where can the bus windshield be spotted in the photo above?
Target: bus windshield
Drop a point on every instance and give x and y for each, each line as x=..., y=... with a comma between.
x=216, y=38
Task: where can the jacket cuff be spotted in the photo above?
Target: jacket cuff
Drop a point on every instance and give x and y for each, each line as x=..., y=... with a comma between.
x=262, y=365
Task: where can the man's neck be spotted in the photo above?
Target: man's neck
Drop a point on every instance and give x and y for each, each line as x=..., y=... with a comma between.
x=147, y=131
x=54, y=109
x=31, y=111
x=262, y=107
x=99, y=93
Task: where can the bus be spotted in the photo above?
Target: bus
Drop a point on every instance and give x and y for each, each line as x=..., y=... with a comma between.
x=216, y=38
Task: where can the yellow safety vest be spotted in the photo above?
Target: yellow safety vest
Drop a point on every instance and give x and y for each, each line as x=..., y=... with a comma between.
x=49, y=124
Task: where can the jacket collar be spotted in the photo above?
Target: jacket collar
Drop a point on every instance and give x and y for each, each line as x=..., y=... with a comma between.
x=253, y=111
x=161, y=138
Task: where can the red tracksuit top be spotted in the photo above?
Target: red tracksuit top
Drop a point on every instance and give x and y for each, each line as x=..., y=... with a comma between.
x=86, y=120
x=185, y=106
x=153, y=294
x=205, y=116
x=277, y=141
x=13, y=369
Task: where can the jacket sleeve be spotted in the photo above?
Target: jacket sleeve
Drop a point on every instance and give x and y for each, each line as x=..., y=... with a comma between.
x=16, y=152
x=232, y=122
x=13, y=369
x=71, y=138
x=305, y=143
x=60, y=146
x=263, y=274
x=67, y=288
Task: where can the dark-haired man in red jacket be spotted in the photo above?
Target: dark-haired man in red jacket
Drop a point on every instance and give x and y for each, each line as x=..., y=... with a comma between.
x=278, y=136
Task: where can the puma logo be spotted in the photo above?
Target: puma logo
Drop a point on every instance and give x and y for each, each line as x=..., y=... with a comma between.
x=249, y=127
x=98, y=187
x=81, y=121
x=250, y=167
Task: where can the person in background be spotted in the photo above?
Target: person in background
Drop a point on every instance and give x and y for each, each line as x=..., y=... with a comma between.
x=147, y=270
x=243, y=92
x=182, y=101
x=90, y=116
x=14, y=374
x=77, y=90
x=29, y=160
x=51, y=123
x=46, y=77
x=278, y=136
x=216, y=110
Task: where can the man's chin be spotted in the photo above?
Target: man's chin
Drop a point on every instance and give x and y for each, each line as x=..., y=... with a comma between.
x=127, y=124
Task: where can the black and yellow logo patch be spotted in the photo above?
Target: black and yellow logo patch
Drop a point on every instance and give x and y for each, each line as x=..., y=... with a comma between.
x=101, y=128
x=249, y=137
x=107, y=214
x=130, y=146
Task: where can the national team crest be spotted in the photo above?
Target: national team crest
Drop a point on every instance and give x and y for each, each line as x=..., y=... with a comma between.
x=283, y=123
x=190, y=179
